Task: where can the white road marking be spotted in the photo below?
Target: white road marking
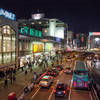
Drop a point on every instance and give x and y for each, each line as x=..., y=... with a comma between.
x=35, y=93
x=70, y=90
x=90, y=96
x=52, y=91
x=60, y=72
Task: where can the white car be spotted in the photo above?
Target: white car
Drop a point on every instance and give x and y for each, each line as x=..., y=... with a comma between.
x=46, y=81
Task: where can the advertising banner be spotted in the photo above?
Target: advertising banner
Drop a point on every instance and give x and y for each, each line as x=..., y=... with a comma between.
x=37, y=48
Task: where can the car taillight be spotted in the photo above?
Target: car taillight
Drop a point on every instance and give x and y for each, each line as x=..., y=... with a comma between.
x=46, y=84
x=58, y=68
x=64, y=71
x=39, y=84
x=48, y=72
x=64, y=91
x=54, y=73
x=54, y=90
x=74, y=83
x=85, y=84
x=70, y=71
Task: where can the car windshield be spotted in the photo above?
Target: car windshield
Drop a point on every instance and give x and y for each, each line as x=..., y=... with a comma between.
x=45, y=80
x=60, y=87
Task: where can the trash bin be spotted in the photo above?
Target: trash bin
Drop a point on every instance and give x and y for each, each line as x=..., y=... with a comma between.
x=12, y=96
x=25, y=89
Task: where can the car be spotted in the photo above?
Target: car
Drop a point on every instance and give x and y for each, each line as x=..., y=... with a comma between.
x=68, y=70
x=48, y=72
x=46, y=81
x=60, y=89
x=69, y=58
x=59, y=67
x=54, y=71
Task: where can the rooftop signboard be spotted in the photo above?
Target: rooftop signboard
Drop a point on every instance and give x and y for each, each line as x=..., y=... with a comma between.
x=94, y=33
x=7, y=14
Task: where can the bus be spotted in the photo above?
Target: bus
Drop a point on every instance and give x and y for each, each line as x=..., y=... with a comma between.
x=80, y=75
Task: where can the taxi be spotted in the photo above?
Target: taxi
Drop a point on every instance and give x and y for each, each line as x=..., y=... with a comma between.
x=46, y=81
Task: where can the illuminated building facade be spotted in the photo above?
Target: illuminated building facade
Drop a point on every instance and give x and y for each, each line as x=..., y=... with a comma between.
x=8, y=41
x=94, y=41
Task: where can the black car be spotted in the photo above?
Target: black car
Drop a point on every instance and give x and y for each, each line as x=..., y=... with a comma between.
x=54, y=72
x=59, y=67
x=68, y=70
x=48, y=72
x=60, y=89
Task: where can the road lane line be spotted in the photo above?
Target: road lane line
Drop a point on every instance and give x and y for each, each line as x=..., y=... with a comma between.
x=90, y=96
x=35, y=93
x=52, y=91
x=70, y=90
x=60, y=72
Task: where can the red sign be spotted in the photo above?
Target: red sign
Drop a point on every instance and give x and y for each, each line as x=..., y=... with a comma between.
x=37, y=48
x=96, y=33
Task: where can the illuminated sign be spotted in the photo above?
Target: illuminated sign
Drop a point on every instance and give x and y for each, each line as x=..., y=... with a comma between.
x=7, y=14
x=48, y=46
x=57, y=39
x=37, y=48
x=38, y=16
x=30, y=31
x=94, y=33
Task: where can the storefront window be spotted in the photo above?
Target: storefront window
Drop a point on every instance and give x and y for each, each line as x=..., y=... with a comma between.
x=0, y=58
x=20, y=46
x=6, y=57
x=13, y=42
x=13, y=56
x=6, y=44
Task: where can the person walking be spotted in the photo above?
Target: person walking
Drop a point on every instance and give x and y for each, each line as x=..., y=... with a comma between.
x=14, y=78
x=6, y=83
x=10, y=78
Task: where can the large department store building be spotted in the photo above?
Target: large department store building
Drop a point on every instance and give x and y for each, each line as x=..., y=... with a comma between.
x=8, y=40
x=39, y=38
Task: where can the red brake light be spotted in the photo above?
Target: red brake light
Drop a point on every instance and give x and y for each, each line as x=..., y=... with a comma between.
x=74, y=83
x=54, y=90
x=59, y=86
x=85, y=84
x=54, y=73
x=64, y=91
x=64, y=71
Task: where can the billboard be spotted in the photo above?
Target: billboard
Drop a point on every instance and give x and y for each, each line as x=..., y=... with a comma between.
x=37, y=16
x=7, y=14
x=94, y=33
x=38, y=47
x=48, y=46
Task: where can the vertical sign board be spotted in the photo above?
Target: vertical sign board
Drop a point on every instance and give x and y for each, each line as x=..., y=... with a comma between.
x=7, y=14
x=37, y=47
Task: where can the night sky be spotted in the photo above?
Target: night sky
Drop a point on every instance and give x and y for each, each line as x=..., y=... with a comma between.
x=80, y=15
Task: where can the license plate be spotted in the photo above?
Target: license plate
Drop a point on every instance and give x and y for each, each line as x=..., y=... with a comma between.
x=59, y=92
x=80, y=83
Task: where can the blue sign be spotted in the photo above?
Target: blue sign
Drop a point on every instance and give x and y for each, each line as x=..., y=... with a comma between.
x=7, y=14
x=57, y=39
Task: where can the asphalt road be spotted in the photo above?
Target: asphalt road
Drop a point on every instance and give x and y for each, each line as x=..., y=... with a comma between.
x=72, y=94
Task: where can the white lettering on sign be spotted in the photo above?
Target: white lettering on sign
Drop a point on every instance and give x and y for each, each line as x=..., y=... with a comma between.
x=7, y=14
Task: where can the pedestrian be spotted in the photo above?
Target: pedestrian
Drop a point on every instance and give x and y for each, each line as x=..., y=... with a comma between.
x=14, y=71
x=26, y=72
x=14, y=78
x=10, y=78
x=31, y=69
x=6, y=83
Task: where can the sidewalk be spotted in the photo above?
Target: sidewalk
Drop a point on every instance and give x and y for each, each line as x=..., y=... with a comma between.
x=21, y=81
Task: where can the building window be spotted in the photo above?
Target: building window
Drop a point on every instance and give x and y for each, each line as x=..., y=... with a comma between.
x=0, y=58
x=13, y=56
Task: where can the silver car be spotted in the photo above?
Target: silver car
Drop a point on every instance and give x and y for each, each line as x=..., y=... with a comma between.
x=46, y=81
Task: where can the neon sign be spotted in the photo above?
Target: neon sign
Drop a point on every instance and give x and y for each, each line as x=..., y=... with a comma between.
x=30, y=31
x=7, y=14
x=94, y=33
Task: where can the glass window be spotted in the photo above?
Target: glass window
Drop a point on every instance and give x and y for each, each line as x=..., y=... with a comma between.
x=0, y=42
x=13, y=42
x=0, y=58
x=13, y=56
x=8, y=31
x=6, y=44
